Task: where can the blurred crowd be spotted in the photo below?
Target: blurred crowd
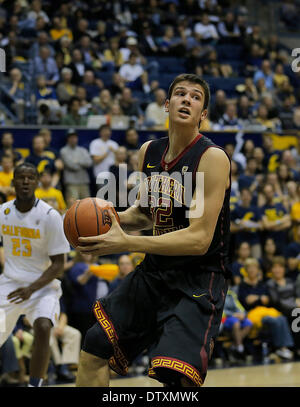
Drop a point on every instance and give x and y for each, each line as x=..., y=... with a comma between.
x=70, y=61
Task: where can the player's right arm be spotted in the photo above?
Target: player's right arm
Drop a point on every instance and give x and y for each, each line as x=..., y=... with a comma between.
x=135, y=218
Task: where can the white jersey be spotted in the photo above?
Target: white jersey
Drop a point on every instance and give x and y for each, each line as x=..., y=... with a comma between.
x=29, y=239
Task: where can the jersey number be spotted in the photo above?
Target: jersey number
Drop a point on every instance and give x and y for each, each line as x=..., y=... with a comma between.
x=21, y=247
x=161, y=210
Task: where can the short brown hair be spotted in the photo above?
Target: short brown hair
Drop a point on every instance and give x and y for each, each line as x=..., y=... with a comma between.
x=278, y=260
x=194, y=79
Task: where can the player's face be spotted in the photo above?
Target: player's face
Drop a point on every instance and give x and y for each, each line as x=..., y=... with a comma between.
x=186, y=104
x=25, y=183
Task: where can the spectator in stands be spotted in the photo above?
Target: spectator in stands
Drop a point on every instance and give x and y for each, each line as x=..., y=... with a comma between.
x=135, y=76
x=38, y=157
x=80, y=29
x=9, y=363
x=254, y=37
x=214, y=68
x=148, y=41
x=244, y=108
x=272, y=156
x=102, y=150
x=155, y=114
x=236, y=322
x=102, y=104
x=279, y=75
x=228, y=29
x=296, y=118
x=58, y=30
x=6, y=177
x=130, y=106
x=289, y=159
x=91, y=84
x=7, y=148
x=269, y=253
x=282, y=293
x=76, y=161
x=15, y=89
x=276, y=221
x=46, y=95
x=289, y=14
x=262, y=119
x=49, y=194
x=268, y=100
x=36, y=11
x=131, y=142
x=229, y=120
x=101, y=37
x=78, y=66
x=246, y=223
x=23, y=341
x=295, y=216
x=205, y=32
x=64, y=345
x=87, y=288
x=73, y=118
x=238, y=269
x=265, y=73
x=90, y=56
x=170, y=45
x=64, y=48
x=44, y=64
x=250, y=90
x=253, y=295
x=286, y=113
x=85, y=108
x=65, y=89
x=125, y=267
x=112, y=56
x=43, y=40
x=117, y=85
x=219, y=106
x=293, y=258
x=248, y=179
x=258, y=155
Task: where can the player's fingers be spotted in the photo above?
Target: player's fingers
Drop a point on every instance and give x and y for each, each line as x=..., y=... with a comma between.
x=13, y=294
x=112, y=216
x=90, y=239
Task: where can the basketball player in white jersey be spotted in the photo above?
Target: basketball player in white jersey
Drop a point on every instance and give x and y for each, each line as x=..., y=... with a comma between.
x=34, y=246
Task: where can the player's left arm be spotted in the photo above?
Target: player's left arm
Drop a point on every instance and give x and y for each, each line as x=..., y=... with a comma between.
x=193, y=240
x=53, y=271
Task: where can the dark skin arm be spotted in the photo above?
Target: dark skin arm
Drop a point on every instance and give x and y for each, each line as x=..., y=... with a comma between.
x=52, y=272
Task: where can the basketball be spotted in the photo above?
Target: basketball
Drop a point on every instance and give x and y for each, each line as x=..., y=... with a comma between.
x=87, y=217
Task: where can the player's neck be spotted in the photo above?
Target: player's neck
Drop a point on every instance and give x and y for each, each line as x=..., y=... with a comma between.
x=24, y=205
x=179, y=138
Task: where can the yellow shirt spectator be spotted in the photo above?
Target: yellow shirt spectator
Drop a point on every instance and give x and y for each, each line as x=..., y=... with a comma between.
x=52, y=194
x=295, y=216
x=5, y=184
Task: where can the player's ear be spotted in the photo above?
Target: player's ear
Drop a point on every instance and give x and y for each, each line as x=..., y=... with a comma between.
x=204, y=114
x=167, y=103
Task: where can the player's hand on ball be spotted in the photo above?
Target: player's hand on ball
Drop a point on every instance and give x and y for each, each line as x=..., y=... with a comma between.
x=114, y=241
x=20, y=295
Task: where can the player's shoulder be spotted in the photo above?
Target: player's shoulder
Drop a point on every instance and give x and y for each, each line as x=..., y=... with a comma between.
x=216, y=154
x=45, y=209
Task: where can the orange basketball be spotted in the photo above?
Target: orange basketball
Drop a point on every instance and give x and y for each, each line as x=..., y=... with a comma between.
x=87, y=217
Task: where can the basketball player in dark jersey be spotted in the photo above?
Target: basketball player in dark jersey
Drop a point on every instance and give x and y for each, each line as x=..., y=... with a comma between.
x=172, y=303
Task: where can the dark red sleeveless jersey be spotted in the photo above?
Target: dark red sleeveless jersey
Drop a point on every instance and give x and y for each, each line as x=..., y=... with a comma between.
x=170, y=188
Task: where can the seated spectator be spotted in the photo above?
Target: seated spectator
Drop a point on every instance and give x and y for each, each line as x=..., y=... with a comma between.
x=78, y=66
x=244, y=108
x=87, y=288
x=80, y=29
x=155, y=114
x=73, y=118
x=265, y=73
x=269, y=101
x=58, y=30
x=64, y=48
x=250, y=90
x=196, y=59
x=131, y=142
x=7, y=148
x=295, y=216
x=253, y=295
x=9, y=363
x=15, y=89
x=248, y=179
x=288, y=13
x=258, y=155
x=148, y=41
x=45, y=65
x=290, y=160
x=65, y=89
x=214, y=68
x=286, y=113
x=46, y=95
x=36, y=11
x=246, y=223
x=238, y=266
x=236, y=322
x=130, y=105
x=228, y=29
x=282, y=293
x=112, y=56
x=135, y=76
x=272, y=156
x=6, y=177
x=279, y=75
x=38, y=157
x=90, y=57
x=284, y=176
x=43, y=40
x=219, y=106
x=269, y=253
x=102, y=103
x=206, y=32
x=266, y=123
x=23, y=341
x=76, y=161
x=170, y=45
x=275, y=219
x=85, y=108
x=296, y=118
x=117, y=85
x=65, y=346
x=47, y=193
x=229, y=120
x=91, y=84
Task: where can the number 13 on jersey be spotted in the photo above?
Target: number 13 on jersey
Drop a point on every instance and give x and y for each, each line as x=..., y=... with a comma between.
x=21, y=247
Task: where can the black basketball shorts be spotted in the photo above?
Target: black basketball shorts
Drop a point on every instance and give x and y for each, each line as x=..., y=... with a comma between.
x=176, y=319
